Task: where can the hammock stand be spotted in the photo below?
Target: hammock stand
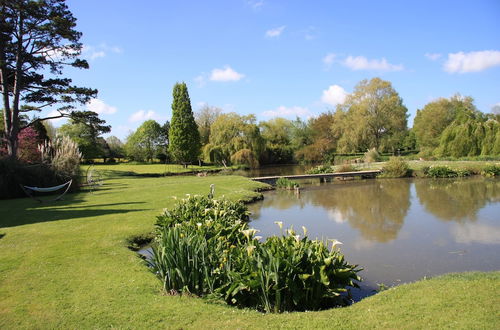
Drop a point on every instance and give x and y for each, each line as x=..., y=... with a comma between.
x=30, y=190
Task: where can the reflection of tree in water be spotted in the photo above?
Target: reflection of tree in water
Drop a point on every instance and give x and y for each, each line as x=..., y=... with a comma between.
x=457, y=200
x=376, y=208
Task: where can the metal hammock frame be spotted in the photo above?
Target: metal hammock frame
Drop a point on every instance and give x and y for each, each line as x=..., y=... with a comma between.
x=30, y=190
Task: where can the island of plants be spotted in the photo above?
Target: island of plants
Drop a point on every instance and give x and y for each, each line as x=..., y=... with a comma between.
x=205, y=247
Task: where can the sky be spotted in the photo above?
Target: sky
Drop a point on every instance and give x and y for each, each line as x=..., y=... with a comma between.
x=283, y=58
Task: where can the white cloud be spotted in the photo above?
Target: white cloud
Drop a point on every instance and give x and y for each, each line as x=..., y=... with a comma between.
x=283, y=111
x=100, y=107
x=143, y=115
x=226, y=74
x=310, y=33
x=432, y=56
x=334, y=95
x=471, y=62
x=274, y=33
x=328, y=59
x=362, y=63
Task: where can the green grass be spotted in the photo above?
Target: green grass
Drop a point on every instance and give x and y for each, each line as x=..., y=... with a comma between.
x=66, y=265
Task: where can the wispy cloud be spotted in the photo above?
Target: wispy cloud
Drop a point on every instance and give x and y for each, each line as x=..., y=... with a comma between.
x=334, y=95
x=255, y=4
x=310, y=33
x=276, y=32
x=100, y=107
x=496, y=109
x=433, y=56
x=472, y=62
x=225, y=74
x=100, y=51
x=329, y=59
x=292, y=112
x=363, y=63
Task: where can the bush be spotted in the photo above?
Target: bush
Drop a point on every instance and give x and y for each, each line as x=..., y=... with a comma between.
x=371, y=156
x=396, y=167
x=491, y=170
x=346, y=168
x=205, y=247
x=441, y=172
x=321, y=169
x=285, y=183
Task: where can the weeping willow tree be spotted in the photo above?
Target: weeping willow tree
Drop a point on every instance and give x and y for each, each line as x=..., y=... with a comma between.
x=472, y=133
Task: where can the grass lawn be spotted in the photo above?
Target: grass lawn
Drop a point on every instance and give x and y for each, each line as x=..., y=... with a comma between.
x=66, y=265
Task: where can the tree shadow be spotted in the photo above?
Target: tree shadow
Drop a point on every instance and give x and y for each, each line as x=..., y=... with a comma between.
x=26, y=211
x=2, y=235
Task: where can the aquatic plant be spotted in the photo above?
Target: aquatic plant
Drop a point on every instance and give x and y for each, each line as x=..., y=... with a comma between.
x=285, y=183
x=491, y=170
x=212, y=252
x=441, y=172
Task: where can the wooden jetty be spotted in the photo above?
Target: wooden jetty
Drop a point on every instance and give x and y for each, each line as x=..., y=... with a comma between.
x=322, y=176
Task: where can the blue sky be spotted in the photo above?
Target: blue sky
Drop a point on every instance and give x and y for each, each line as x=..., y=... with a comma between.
x=282, y=58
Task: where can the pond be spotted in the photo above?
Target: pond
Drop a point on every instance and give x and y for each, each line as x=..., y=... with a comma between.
x=398, y=230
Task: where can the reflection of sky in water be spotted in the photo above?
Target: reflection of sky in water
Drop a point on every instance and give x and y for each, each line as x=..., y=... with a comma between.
x=397, y=230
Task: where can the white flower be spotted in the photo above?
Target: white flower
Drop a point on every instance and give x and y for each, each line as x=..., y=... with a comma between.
x=304, y=229
x=335, y=243
x=279, y=223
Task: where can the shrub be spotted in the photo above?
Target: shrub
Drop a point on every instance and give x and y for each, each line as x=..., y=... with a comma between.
x=205, y=247
x=491, y=170
x=440, y=171
x=371, y=156
x=64, y=156
x=321, y=169
x=396, y=167
x=285, y=183
x=346, y=168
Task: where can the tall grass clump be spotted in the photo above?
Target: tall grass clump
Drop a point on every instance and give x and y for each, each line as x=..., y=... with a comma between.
x=205, y=247
x=63, y=156
x=371, y=156
x=346, y=168
x=396, y=167
x=285, y=183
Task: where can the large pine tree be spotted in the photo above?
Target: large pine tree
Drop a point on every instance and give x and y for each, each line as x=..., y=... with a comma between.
x=184, y=136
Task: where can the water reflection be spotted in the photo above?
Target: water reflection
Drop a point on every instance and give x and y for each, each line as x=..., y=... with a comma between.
x=377, y=208
x=457, y=199
x=398, y=230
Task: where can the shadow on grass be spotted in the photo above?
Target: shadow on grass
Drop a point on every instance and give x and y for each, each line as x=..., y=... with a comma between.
x=2, y=235
x=26, y=211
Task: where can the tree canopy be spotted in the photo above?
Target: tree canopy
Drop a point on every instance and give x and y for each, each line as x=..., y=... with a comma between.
x=146, y=142
x=373, y=116
x=37, y=40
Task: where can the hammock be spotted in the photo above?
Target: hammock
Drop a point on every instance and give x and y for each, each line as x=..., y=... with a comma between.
x=28, y=190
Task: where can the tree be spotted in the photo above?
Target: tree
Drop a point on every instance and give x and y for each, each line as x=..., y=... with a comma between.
x=231, y=133
x=431, y=121
x=322, y=139
x=145, y=142
x=205, y=117
x=184, y=137
x=373, y=117
x=116, y=147
x=84, y=129
x=277, y=134
x=37, y=40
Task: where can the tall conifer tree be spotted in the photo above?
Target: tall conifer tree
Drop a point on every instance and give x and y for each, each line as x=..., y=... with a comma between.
x=183, y=135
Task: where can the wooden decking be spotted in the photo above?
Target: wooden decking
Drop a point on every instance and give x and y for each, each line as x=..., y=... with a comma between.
x=272, y=179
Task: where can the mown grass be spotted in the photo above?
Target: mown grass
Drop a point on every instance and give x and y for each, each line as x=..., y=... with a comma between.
x=67, y=265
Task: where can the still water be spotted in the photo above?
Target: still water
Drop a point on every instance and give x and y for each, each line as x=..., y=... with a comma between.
x=398, y=230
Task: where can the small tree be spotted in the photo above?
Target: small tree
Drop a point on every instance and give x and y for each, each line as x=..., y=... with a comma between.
x=184, y=137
